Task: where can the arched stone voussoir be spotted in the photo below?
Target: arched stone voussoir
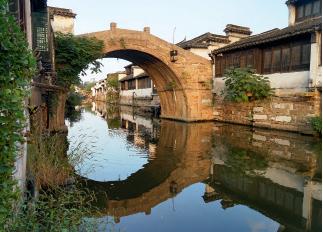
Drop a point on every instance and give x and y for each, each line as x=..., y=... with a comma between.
x=183, y=85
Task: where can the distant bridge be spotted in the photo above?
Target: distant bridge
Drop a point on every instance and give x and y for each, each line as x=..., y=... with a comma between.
x=183, y=79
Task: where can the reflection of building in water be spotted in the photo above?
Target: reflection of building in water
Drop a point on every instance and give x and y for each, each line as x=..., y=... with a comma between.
x=111, y=113
x=144, y=131
x=272, y=172
x=138, y=89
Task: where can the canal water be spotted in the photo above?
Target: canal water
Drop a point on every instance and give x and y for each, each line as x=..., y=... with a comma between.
x=158, y=175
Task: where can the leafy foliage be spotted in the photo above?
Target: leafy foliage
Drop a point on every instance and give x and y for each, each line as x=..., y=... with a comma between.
x=17, y=66
x=88, y=85
x=243, y=85
x=316, y=123
x=245, y=161
x=112, y=95
x=63, y=201
x=112, y=81
x=74, y=55
x=73, y=99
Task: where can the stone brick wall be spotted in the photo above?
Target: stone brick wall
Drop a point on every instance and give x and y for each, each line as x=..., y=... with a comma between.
x=298, y=152
x=183, y=82
x=290, y=113
x=140, y=101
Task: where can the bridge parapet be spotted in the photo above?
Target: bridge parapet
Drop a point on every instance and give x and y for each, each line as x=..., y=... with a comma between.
x=183, y=79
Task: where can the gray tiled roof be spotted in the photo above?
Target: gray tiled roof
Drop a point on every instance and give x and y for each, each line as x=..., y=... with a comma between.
x=61, y=11
x=131, y=77
x=203, y=41
x=274, y=35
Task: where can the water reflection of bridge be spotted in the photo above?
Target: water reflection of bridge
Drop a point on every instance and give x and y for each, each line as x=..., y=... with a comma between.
x=275, y=173
x=181, y=160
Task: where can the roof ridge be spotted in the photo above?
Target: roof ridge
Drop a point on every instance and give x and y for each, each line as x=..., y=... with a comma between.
x=273, y=35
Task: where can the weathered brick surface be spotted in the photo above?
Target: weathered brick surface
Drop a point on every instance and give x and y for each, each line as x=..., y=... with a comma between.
x=189, y=98
x=283, y=113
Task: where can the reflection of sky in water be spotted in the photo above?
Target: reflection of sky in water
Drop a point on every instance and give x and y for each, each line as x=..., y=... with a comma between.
x=191, y=213
x=114, y=158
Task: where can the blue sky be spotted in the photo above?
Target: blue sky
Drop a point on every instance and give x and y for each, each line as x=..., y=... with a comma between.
x=190, y=17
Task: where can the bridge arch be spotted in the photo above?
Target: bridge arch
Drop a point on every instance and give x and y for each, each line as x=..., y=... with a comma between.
x=184, y=86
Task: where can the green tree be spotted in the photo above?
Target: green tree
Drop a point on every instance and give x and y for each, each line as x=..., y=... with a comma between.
x=74, y=55
x=112, y=81
x=88, y=85
x=243, y=85
x=316, y=123
x=17, y=66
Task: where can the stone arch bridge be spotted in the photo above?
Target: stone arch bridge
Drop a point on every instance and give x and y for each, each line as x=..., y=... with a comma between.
x=183, y=79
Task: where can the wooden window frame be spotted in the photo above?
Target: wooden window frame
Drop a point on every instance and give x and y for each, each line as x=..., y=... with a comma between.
x=311, y=15
x=277, y=69
x=289, y=47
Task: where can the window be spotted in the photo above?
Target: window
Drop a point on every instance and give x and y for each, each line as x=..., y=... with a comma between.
x=236, y=61
x=267, y=61
x=317, y=7
x=228, y=62
x=300, y=12
x=287, y=57
x=250, y=60
x=280, y=57
x=218, y=63
x=276, y=60
x=306, y=54
x=123, y=86
x=296, y=56
x=144, y=83
x=310, y=9
x=243, y=61
x=285, y=62
x=131, y=84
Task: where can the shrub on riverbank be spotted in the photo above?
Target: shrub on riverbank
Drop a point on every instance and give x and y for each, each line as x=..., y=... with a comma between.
x=60, y=202
x=17, y=66
x=316, y=123
x=243, y=85
x=74, y=55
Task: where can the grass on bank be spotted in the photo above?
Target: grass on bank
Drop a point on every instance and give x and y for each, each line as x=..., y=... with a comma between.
x=58, y=201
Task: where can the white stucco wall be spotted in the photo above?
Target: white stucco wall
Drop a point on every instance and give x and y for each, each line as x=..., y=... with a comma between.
x=137, y=71
x=315, y=69
x=283, y=83
x=121, y=75
x=201, y=52
x=204, y=52
x=63, y=24
x=139, y=92
x=139, y=120
x=285, y=178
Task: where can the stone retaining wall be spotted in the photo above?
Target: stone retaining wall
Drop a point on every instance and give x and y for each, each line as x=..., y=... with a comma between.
x=140, y=102
x=290, y=113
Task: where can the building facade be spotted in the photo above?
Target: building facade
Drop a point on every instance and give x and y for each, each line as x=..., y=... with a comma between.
x=62, y=20
x=137, y=88
x=33, y=18
x=101, y=89
x=291, y=58
x=204, y=44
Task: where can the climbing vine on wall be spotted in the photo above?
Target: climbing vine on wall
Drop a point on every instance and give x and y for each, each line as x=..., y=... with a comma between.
x=74, y=55
x=17, y=66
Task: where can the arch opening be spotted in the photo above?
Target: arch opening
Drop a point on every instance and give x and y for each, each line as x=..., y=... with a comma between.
x=173, y=99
